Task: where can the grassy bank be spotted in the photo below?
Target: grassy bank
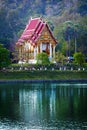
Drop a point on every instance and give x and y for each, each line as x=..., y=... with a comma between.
x=43, y=75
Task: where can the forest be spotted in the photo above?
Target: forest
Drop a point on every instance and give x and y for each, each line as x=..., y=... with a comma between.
x=66, y=18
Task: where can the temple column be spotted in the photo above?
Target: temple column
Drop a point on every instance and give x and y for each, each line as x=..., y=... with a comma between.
x=41, y=48
x=37, y=49
x=50, y=52
x=19, y=53
x=54, y=51
x=35, y=52
x=22, y=53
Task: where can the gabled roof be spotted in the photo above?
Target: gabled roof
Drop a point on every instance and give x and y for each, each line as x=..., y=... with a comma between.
x=33, y=31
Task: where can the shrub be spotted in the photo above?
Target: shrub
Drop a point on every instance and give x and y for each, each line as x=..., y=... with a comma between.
x=42, y=58
x=79, y=58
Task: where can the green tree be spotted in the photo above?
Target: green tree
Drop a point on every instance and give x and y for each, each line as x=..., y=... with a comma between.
x=42, y=58
x=62, y=43
x=68, y=32
x=59, y=57
x=82, y=39
x=4, y=57
x=79, y=58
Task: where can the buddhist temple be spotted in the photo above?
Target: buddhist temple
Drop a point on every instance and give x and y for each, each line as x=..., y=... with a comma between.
x=36, y=38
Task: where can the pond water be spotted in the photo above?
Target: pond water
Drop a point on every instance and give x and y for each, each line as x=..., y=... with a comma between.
x=43, y=106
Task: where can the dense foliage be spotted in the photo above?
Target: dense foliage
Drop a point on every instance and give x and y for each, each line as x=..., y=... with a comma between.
x=42, y=58
x=59, y=57
x=72, y=37
x=79, y=58
x=4, y=57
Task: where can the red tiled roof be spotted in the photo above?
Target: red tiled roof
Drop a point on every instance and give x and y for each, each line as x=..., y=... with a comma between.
x=33, y=31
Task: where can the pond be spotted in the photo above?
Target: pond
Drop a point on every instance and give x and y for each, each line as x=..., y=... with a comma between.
x=43, y=106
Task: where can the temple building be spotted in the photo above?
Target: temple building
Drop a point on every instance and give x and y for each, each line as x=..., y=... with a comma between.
x=36, y=38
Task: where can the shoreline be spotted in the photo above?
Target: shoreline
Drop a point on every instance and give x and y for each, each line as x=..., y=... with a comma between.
x=43, y=76
x=44, y=81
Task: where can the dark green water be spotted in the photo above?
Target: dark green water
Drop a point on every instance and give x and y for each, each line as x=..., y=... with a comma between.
x=43, y=106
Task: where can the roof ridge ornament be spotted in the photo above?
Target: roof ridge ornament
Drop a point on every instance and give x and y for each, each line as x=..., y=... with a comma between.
x=34, y=29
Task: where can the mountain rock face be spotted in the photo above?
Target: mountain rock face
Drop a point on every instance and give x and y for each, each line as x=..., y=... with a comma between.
x=14, y=14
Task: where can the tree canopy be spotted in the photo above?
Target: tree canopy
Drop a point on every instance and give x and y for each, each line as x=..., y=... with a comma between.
x=4, y=57
x=79, y=58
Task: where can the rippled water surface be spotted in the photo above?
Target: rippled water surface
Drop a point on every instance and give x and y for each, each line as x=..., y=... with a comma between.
x=43, y=106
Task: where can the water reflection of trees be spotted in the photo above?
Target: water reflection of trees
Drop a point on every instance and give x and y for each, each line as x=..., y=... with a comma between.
x=53, y=101
x=9, y=104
